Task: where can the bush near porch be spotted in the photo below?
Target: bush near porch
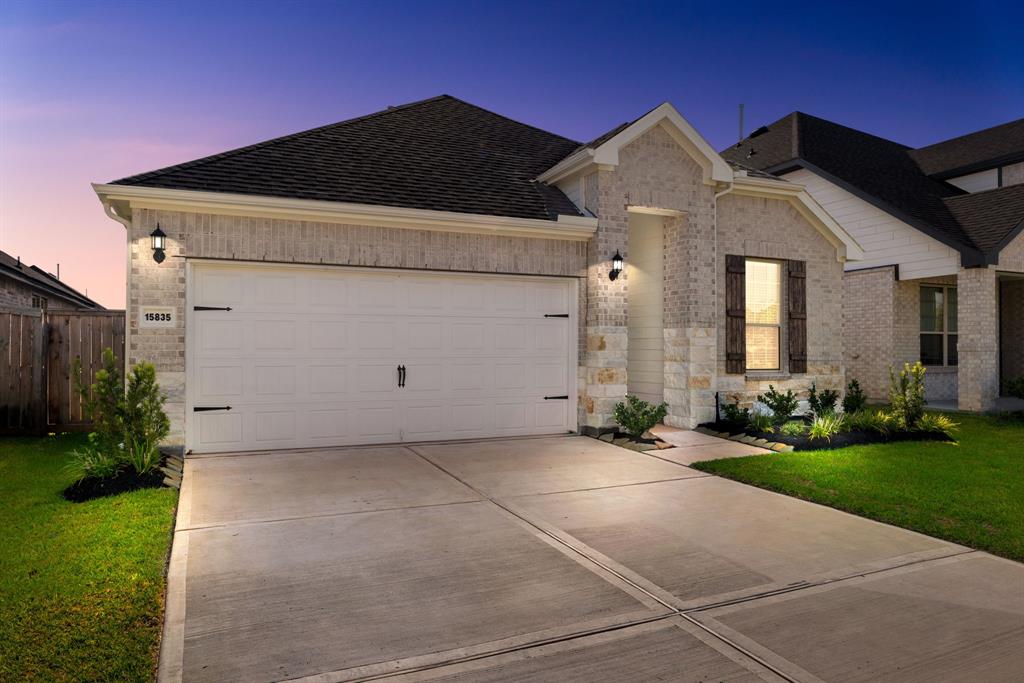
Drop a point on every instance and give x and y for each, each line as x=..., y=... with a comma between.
x=969, y=492
x=81, y=584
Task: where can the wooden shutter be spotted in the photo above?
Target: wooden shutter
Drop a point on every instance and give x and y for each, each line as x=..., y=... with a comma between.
x=735, y=315
x=797, y=304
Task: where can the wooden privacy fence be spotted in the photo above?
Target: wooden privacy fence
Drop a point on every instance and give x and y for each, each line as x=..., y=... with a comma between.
x=37, y=350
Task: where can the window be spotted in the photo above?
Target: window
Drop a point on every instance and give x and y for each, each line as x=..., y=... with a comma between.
x=763, y=314
x=938, y=326
x=38, y=301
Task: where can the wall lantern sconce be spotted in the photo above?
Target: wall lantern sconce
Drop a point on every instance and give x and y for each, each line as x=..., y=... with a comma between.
x=616, y=266
x=159, y=242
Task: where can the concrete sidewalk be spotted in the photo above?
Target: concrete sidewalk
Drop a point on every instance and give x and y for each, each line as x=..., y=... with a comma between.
x=561, y=558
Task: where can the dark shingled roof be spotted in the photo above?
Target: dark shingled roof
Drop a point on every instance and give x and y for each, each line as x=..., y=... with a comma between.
x=440, y=154
x=990, y=216
x=973, y=152
x=43, y=282
x=882, y=172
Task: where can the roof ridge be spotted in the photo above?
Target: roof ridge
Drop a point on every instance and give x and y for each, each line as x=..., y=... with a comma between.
x=510, y=119
x=273, y=141
x=967, y=135
x=1019, y=187
x=805, y=115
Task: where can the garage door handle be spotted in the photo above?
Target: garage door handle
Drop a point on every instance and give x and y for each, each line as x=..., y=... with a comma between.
x=401, y=375
x=556, y=315
x=552, y=398
x=203, y=409
x=211, y=308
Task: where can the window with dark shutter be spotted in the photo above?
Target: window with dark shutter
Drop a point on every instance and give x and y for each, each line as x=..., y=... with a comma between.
x=797, y=305
x=735, y=315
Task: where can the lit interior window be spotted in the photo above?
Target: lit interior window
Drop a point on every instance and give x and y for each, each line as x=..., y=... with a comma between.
x=763, y=314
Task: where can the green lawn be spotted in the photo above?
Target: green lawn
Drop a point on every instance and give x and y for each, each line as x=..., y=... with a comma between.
x=971, y=492
x=81, y=584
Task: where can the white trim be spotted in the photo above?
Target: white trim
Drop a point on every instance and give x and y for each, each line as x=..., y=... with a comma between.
x=606, y=155
x=847, y=248
x=573, y=320
x=655, y=211
x=116, y=197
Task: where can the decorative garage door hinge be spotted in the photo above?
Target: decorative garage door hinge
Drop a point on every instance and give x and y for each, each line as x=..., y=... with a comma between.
x=203, y=409
x=211, y=308
x=556, y=315
x=551, y=398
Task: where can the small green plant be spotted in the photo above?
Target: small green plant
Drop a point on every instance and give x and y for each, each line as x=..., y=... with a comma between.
x=854, y=400
x=934, y=422
x=103, y=402
x=793, y=428
x=1015, y=387
x=92, y=460
x=823, y=403
x=733, y=413
x=871, y=421
x=636, y=416
x=906, y=394
x=825, y=427
x=145, y=423
x=762, y=422
x=782, y=405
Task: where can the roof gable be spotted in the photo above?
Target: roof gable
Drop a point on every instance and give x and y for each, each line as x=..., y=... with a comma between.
x=988, y=148
x=440, y=154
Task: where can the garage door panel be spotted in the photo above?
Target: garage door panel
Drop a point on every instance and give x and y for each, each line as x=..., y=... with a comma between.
x=310, y=358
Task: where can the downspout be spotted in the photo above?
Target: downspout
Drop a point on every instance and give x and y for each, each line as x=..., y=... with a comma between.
x=718, y=195
x=108, y=208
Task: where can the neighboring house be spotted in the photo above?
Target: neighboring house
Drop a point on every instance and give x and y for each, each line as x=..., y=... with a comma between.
x=23, y=286
x=942, y=278
x=477, y=295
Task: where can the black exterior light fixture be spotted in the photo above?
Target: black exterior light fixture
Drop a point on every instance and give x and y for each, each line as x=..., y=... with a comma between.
x=159, y=242
x=616, y=266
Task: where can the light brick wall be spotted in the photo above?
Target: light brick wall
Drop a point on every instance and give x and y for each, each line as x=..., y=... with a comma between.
x=1011, y=258
x=14, y=294
x=1013, y=174
x=1011, y=312
x=772, y=229
x=869, y=328
x=274, y=240
x=978, y=373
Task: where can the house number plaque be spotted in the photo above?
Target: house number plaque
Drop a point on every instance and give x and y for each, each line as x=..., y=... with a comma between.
x=157, y=316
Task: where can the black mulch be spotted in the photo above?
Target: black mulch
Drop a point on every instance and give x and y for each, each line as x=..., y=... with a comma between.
x=841, y=440
x=127, y=479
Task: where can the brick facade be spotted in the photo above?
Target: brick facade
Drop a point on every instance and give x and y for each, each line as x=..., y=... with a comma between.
x=653, y=171
x=978, y=373
x=869, y=328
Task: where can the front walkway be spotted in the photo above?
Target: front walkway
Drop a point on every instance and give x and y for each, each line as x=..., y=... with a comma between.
x=561, y=558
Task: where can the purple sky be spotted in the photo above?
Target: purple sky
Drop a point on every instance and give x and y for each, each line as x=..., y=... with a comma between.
x=94, y=91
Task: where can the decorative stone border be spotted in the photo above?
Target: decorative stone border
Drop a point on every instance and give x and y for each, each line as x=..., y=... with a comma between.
x=745, y=438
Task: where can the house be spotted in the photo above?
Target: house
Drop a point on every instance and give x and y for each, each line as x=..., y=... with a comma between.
x=942, y=278
x=438, y=271
x=23, y=286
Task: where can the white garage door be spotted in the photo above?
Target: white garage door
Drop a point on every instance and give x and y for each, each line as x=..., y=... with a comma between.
x=326, y=357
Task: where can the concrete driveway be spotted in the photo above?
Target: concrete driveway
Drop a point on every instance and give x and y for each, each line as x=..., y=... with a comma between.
x=559, y=559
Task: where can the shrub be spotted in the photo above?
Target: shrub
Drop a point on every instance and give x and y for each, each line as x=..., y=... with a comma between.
x=760, y=422
x=934, y=422
x=823, y=403
x=825, y=427
x=636, y=416
x=734, y=414
x=793, y=428
x=1015, y=387
x=906, y=394
x=855, y=400
x=145, y=423
x=872, y=421
x=92, y=460
x=782, y=405
x=128, y=424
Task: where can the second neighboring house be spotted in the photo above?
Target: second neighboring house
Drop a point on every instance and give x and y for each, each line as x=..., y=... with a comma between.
x=438, y=271
x=942, y=278
x=23, y=286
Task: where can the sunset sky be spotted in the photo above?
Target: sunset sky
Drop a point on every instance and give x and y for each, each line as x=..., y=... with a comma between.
x=94, y=91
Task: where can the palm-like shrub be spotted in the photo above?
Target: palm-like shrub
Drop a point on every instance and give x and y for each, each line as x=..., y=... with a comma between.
x=934, y=422
x=825, y=427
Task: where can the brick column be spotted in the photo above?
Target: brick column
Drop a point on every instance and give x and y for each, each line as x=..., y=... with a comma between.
x=978, y=341
x=604, y=381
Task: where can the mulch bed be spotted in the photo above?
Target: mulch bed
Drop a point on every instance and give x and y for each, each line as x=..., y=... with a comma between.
x=127, y=479
x=841, y=440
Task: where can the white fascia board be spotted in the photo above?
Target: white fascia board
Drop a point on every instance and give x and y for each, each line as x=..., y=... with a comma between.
x=716, y=170
x=847, y=247
x=577, y=228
